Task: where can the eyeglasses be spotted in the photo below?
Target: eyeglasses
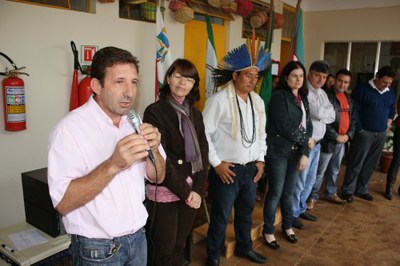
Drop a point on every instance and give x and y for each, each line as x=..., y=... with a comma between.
x=180, y=77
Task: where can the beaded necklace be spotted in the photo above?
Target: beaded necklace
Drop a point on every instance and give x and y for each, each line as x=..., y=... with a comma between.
x=246, y=141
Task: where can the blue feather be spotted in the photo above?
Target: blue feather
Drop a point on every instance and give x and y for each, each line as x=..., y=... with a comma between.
x=239, y=58
x=263, y=59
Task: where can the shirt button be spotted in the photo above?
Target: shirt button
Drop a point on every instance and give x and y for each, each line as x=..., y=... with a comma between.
x=180, y=161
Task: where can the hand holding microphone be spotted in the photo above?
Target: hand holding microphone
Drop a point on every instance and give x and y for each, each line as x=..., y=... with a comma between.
x=135, y=120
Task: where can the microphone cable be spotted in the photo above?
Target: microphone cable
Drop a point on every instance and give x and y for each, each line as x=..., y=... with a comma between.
x=153, y=215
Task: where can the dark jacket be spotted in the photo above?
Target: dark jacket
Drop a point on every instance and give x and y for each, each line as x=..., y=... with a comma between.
x=284, y=118
x=163, y=116
x=328, y=143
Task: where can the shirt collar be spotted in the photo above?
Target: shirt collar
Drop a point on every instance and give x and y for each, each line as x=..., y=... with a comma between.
x=371, y=82
x=310, y=87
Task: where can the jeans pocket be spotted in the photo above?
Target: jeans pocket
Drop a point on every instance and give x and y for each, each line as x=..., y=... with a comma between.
x=99, y=251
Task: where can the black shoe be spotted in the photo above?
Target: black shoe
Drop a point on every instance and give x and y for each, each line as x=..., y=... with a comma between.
x=308, y=216
x=212, y=262
x=348, y=198
x=297, y=223
x=366, y=196
x=291, y=238
x=388, y=194
x=273, y=244
x=252, y=256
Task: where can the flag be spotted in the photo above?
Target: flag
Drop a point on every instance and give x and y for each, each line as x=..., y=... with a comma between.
x=297, y=49
x=266, y=83
x=163, y=52
x=211, y=60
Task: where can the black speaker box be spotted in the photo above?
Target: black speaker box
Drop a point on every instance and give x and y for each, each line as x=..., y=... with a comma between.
x=39, y=210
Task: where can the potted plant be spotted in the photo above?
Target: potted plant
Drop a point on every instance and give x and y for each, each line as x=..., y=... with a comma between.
x=387, y=152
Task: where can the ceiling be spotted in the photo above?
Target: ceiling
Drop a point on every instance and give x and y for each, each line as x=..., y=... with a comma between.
x=326, y=5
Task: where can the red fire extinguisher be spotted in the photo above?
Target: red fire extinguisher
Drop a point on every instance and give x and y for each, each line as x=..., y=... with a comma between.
x=84, y=88
x=13, y=98
x=79, y=93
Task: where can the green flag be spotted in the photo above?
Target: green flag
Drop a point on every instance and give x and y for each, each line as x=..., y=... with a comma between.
x=298, y=45
x=211, y=59
x=266, y=84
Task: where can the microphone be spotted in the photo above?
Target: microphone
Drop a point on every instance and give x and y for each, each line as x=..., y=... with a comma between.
x=135, y=120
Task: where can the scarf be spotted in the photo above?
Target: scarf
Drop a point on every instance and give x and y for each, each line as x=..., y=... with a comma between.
x=186, y=127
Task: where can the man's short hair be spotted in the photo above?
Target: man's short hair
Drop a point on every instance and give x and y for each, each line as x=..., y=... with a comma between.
x=344, y=71
x=386, y=71
x=320, y=66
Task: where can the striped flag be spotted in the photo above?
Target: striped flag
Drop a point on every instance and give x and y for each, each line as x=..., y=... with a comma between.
x=163, y=52
x=266, y=84
x=297, y=47
x=211, y=60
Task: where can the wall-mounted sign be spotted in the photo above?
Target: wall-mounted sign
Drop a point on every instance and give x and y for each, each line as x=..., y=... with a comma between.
x=87, y=52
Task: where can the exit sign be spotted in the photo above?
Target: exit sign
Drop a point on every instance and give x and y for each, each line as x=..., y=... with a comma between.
x=88, y=52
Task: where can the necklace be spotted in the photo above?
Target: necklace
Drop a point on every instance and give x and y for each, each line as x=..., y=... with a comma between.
x=246, y=141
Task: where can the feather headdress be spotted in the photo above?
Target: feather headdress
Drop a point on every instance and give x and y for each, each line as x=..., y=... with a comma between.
x=239, y=59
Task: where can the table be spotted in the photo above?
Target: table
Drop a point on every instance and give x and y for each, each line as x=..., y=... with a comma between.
x=32, y=254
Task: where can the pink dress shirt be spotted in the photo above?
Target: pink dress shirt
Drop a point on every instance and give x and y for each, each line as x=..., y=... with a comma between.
x=78, y=144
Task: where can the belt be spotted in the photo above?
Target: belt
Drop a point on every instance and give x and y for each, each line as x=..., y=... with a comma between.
x=245, y=165
x=318, y=142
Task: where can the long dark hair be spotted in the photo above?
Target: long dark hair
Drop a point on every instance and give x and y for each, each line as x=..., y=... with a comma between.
x=292, y=65
x=187, y=69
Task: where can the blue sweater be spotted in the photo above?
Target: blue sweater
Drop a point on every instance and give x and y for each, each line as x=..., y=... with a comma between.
x=373, y=109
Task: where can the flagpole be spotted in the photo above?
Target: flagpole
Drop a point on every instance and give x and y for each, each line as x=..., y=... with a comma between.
x=292, y=44
x=268, y=41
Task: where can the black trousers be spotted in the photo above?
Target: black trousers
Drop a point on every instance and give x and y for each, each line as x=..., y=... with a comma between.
x=167, y=232
x=364, y=154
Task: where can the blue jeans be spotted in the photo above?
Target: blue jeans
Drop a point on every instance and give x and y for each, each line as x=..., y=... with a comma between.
x=241, y=194
x=305, y=182
x=282, y=174
x=125, y=250
x=328, y=166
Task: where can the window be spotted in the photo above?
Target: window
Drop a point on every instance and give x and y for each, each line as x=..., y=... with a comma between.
x=336, y=55
x=87, y=6
x=289, y=14
x=361, y=57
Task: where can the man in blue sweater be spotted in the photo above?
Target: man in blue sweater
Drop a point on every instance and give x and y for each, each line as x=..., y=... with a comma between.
x=374, y=106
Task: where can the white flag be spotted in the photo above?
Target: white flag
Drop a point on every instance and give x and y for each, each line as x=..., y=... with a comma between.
x=163, y=52
x=211, y=60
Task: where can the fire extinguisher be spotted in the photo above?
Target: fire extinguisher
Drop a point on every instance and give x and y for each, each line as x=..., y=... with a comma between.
x=79, y=93
x=84, y=88
x=13, y=98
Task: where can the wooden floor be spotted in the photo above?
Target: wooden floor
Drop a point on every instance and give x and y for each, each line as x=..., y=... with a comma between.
x=358, y=233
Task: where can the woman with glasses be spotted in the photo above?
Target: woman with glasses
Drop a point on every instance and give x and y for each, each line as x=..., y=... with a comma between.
x=173, y=205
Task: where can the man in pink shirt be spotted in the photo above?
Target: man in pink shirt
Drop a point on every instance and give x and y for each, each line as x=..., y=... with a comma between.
x=97, y=164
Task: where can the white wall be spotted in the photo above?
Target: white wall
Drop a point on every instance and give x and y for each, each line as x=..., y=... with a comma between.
x=39, y=38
